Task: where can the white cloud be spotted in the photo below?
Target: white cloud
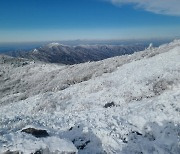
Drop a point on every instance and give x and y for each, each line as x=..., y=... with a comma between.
x=168, y=7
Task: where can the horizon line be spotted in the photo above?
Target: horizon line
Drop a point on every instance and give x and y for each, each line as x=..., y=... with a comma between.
x=73, y=40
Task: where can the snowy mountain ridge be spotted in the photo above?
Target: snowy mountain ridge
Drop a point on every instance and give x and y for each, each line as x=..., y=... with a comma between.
x=127, y=104
x=65, y=54
x=53, y=44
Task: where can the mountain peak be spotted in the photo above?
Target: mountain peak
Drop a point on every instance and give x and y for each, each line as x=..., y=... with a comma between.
x=53, y=44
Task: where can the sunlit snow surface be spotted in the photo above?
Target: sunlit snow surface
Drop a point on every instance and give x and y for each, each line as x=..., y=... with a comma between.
x=68, y=101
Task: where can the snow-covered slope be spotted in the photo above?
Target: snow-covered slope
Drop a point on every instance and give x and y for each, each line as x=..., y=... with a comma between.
x=128, y=104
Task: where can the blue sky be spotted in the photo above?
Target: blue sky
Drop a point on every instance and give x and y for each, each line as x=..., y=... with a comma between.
x=52, y=20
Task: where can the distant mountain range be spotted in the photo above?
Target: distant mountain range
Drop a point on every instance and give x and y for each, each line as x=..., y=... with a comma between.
x=64, y=54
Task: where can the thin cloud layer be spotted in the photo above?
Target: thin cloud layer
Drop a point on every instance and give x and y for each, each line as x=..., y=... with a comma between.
x=167, y=7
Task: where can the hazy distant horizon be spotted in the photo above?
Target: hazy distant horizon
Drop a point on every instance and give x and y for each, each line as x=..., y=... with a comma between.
x=12, y=46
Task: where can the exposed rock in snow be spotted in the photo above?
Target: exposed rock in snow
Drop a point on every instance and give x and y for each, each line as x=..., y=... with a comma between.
x=109, y=105
x=12, y=152
x=69, y=102
x=36, y=132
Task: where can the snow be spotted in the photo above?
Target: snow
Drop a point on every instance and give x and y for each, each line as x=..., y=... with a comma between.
x=150, y=47
x=145, y=88
x=54, y=44
x=28, y=144
x=35, y=50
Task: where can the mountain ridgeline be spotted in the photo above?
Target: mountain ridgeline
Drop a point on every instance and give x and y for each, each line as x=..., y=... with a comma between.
x=57, y=53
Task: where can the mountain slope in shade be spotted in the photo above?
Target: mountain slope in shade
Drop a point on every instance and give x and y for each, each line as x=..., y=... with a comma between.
x=127, y=104
x=57, y=53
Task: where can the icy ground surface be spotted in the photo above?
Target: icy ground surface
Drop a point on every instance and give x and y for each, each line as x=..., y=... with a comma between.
x=128, y=104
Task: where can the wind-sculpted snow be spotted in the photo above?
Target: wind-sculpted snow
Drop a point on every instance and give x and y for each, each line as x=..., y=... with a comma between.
x=127, y=104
